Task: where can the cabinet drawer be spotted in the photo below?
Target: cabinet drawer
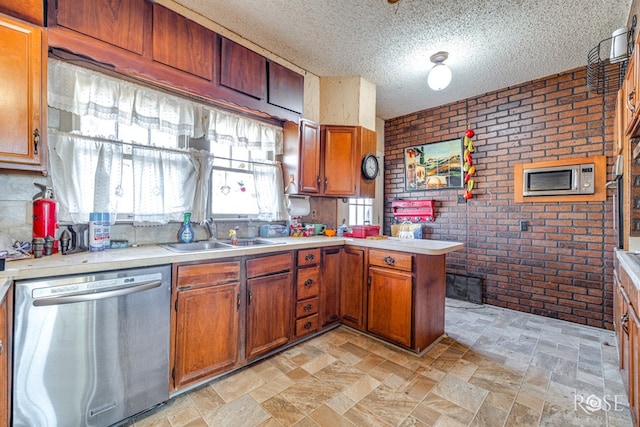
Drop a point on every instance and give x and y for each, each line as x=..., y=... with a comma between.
x=306, y=307
x=397, y=260
x=308, y=257
x=306, y=325
x=269, y=264
x=208, y=274
x=308, y=282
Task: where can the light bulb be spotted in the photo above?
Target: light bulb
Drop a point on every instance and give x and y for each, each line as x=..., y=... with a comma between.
x=439, y=77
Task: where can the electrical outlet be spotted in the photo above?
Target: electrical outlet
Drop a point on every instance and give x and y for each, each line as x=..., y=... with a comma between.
x=461, y=199
x=313, y=214
x=524, y=225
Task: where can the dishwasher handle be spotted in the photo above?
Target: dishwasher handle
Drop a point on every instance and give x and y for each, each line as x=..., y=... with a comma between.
x=68, y=299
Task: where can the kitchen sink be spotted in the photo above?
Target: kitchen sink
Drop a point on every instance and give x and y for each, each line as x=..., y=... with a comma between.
x=204, y=245
x=215, y=245
x=251, y=242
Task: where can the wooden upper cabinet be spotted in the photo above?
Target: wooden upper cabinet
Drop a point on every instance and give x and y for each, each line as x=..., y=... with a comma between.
x=117, y=22
x=28, y=10
x=21, y=66
x=286, y=88
x=341, y=160
x=309, y=165
x=182, y=43
x=242, y=69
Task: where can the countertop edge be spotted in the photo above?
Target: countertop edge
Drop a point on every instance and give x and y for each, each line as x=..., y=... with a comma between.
x=116, y=259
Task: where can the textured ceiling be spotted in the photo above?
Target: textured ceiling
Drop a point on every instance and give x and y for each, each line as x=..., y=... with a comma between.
x=492, y=44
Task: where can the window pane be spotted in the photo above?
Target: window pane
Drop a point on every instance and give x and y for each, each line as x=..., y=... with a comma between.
x=232, y=193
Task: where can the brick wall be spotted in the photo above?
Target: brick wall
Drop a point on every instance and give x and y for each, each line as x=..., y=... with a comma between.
x=562, y=266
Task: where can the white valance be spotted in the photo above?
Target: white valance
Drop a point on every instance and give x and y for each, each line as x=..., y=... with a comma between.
x=86, y=92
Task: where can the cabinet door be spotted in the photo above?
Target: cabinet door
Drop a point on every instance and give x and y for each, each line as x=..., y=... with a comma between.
x=28, y=10
x=390, y=306
x=242, y=70
x=619, y=125
x=330, y=287
x=21, y=66
x=206, y=332
x=286, y=88
x=340, y=155
x=309, y=165
x=117, y=22
x=352, y=290
x=269, y=309
x=182, y=44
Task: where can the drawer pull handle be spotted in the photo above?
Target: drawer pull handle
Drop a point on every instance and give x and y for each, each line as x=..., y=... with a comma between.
x=309, y=257
x=308, y=307
x=36, y=140
x=308, y=283
x=630, y=96
x=308, y=325
x=389, y=260
x=623, y=321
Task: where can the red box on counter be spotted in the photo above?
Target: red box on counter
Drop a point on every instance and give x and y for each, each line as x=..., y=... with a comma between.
x=362, y=231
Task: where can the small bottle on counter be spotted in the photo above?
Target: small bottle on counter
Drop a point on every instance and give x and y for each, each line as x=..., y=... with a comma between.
x=95, y=232
x=185, y=235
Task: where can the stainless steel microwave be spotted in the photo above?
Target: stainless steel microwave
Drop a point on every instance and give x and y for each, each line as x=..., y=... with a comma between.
x=559, y=180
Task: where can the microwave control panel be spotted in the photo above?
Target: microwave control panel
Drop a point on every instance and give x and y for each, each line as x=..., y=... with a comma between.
x=586, y=180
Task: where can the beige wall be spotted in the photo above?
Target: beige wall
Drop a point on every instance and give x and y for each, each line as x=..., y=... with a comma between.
x=347, y=101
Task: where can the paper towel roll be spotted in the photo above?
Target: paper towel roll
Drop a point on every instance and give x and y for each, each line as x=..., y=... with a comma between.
x=298, y=206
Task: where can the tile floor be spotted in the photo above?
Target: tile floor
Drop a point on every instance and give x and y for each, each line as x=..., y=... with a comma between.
x=496, y=368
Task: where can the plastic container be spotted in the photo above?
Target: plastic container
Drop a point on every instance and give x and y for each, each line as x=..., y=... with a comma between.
x=362, y=231
x=185, y=235
x=95, y=232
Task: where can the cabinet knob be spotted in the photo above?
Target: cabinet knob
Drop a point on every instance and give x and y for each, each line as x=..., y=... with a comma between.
x=308, y=325
x=308, y=283
x=389, y=260
x=309, y=257
x=308, y=307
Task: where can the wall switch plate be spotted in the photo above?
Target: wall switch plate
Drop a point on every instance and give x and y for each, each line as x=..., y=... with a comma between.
x=461, y=199
x=313, y=214
x=524, y=225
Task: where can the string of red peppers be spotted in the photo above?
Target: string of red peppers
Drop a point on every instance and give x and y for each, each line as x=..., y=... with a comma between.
x=469, y=168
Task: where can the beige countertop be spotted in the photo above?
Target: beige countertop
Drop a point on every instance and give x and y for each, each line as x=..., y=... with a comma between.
x=89, y=262
x=630, y=261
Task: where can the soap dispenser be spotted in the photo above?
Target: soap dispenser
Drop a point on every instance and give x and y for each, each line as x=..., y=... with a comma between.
x=234, y=238
x=185, y=235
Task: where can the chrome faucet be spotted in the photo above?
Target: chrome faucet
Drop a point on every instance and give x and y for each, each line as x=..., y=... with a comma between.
x=210, y=226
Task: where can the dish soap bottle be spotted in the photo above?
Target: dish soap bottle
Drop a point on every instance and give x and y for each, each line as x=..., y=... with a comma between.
x=233, y=237
x=186, y=232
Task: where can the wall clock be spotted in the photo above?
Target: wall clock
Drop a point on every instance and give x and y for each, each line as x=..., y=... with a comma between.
x=370, y=167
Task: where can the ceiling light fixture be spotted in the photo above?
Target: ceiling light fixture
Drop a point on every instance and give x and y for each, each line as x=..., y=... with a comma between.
x=440, y=75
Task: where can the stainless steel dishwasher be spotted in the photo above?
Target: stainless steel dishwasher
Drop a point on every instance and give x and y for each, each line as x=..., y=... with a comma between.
x=91, y=350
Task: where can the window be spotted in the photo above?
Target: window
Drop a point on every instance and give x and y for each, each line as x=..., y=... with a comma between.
x=126, y=149
x=360, y=211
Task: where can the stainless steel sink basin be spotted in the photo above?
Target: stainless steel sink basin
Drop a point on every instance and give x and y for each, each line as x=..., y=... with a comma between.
x=205, y=245
x=215, y=245
x=251, y=242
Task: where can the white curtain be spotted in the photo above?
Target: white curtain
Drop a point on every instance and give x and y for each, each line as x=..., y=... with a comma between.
x=269, y=192
x=86, y=175
x=87, y=172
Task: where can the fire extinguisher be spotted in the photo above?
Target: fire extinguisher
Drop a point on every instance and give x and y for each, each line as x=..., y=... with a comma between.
x=45, y=215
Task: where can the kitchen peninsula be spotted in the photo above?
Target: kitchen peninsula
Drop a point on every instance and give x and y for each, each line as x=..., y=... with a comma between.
x=393, y=289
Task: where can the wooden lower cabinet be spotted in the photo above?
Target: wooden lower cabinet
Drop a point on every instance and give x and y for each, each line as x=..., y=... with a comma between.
x=207, y=321
x=207, y=332
x=268, y=313
x=406, y=296
x=269, y=303
x=390, y=304
x=307, y=292
x=330, y=286
x=627, y=329
x=352, y=289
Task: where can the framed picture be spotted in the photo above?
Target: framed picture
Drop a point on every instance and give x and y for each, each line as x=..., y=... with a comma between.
x=434, y=166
